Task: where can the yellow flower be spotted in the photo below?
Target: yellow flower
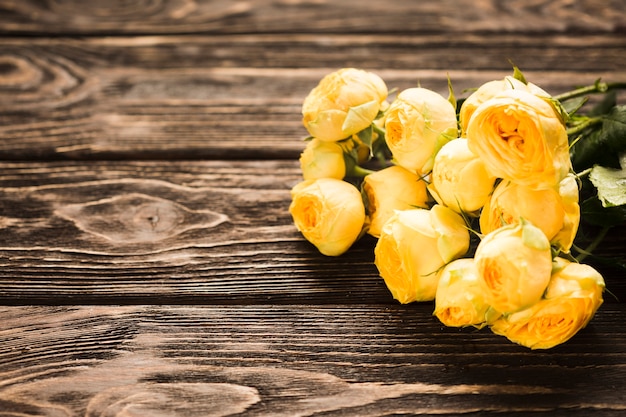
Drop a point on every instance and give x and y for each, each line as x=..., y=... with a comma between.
x=390, y=189
x=514, y=264
x=520, y=138
x=343, y=103
x=418, y=123
x=329, y=213
x=571, y=300
x=568, y=190
x=414, y=245
x=459, y=300
x=483, y=93
x=322, y=160
x=554, y=210
x=459, y=179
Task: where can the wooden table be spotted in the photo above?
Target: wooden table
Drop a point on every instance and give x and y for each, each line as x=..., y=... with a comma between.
x=149, y=265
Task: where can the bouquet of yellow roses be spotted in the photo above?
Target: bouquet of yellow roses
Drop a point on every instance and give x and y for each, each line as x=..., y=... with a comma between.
x=497, y=165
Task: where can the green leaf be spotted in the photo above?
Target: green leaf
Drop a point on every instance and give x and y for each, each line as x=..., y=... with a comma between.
x=611, y=185
x=365, y=136
x=594, y=213
x=601, y=143
x=605, y=105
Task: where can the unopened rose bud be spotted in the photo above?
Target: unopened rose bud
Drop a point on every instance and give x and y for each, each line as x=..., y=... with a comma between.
x=390, y=189
x=459, y=179
x=343, y=103
x=514, y=264
x=459, y=300
x=322, y=160
x=554, y=210
x=329, y=213
x=418, y=123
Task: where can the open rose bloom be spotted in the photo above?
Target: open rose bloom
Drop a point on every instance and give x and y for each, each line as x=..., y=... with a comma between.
x=520, y=138
x=500, y=169
x=572, y=297
x=413, y=247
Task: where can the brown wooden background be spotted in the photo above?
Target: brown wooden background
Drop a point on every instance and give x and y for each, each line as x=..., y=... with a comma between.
x=148, y=264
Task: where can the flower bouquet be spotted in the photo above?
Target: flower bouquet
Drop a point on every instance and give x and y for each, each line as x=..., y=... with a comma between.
x=475, y=203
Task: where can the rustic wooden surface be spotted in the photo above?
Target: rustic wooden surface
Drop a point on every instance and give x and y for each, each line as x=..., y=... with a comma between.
x=148, y=264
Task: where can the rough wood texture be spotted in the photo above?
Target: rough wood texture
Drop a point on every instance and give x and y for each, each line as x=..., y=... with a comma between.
x=186, y=231
x=148, y=263
x=322, y=16
x=295, y=361
x=240, y=96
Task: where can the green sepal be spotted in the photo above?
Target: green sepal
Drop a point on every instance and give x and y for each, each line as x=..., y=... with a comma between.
x=359, y=117
x=533, y=237
x=517, y=73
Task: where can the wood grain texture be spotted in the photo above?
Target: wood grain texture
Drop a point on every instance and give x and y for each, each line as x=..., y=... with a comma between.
x=182, y=231
x=295, y=361
x=284, y=16
x=241, y=96
x=203, y=232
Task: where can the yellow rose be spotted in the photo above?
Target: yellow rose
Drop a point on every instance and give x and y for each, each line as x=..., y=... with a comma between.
x=418, y=123
x=483, y=93
x=520, y=138
x=568, y=190
x=459, y=300
x=329, y=213
x=343, y=103
x=554, y=210
x=459, y=179
x=390, y=189
x=322, y=160
x=414, y=245
x=514, y=264
x=571, y=300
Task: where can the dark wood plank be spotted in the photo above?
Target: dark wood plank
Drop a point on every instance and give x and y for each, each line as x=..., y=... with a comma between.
x=184, y=231
x=240, y=96
x=216, y=232
x=285, y=16
x=296, y=360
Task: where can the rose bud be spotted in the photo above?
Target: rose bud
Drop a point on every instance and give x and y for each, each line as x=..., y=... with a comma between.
x=329, y=213
x=418, y=123
x=459, y=300
x=322, y=160
x=573, y=296
x=555, y=214
x=390, y=189
x=459, y=179
x=514, y=264
x=414, y=245
x=520, y=138
x=343, y=103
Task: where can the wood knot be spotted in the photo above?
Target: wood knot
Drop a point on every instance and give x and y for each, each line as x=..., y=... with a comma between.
x=31, y=80
x=138, y=218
